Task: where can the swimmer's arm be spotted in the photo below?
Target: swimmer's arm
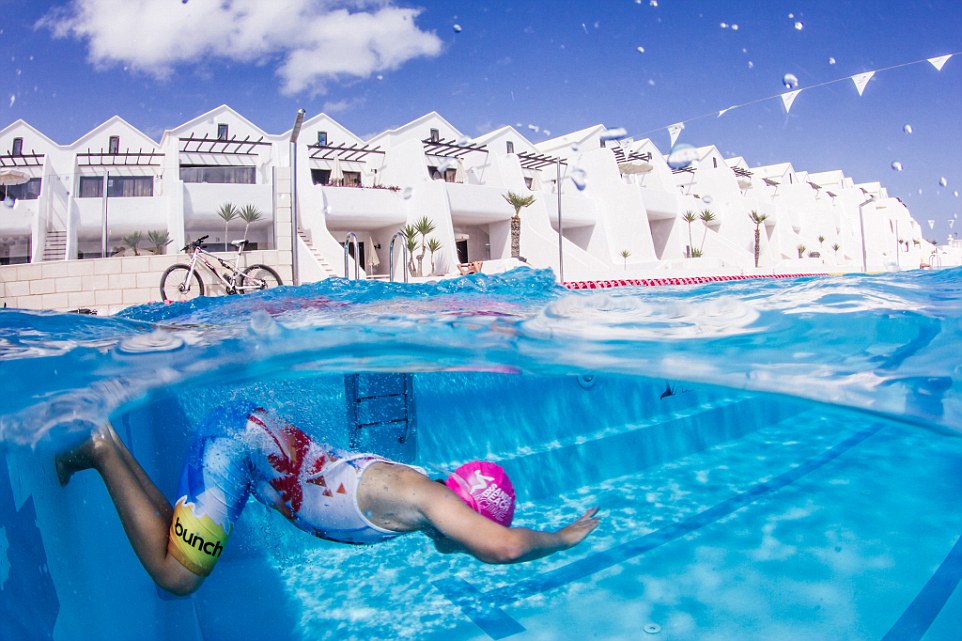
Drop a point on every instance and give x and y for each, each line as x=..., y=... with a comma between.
x=492, y=543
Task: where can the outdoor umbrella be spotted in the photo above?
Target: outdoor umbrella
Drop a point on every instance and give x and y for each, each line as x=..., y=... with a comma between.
x=10, y=177
x=337, y=176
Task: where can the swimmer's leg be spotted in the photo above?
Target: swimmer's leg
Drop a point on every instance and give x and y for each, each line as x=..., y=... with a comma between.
x=136, y=500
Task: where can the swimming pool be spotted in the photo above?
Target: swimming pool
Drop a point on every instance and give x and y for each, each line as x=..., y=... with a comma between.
x=774, y=459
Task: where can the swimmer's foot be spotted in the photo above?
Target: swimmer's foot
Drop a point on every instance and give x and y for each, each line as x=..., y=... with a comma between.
x=84, y=456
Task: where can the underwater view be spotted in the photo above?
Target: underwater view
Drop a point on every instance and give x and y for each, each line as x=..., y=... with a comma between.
x=772, y=458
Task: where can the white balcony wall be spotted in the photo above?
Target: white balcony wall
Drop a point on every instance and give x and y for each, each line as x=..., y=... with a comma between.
x=202, y=200
x=356, y=208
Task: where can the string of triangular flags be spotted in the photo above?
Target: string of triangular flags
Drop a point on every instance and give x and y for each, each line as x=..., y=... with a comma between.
x=860, y=80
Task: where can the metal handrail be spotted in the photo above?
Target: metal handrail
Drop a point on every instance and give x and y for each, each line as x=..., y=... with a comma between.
x=352, y=238
x=404, y=246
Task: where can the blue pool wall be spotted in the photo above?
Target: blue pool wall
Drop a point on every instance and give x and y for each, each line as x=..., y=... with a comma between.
x=67, y=570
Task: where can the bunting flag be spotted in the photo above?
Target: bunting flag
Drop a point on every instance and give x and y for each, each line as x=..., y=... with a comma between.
x=861, y=79
x=674, y=131
x=788, y=98
x=939, y=61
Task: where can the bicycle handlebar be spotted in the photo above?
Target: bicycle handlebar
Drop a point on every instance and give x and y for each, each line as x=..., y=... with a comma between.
x=195, y=243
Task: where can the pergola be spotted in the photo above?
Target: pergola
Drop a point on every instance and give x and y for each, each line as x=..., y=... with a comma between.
x=537, y=161
x=450, y=148
x=139, y=158
x=232, y=146
x=347, y=153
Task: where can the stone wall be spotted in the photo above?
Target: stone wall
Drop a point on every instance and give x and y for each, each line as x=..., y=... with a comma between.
x=108, y=285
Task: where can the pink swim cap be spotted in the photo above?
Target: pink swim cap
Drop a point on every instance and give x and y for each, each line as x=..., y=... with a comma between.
x=486, y=489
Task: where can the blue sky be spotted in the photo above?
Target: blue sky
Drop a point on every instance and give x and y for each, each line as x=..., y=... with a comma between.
x=547, y=66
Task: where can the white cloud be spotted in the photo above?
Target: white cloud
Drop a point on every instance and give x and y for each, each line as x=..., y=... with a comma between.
x=316, y=40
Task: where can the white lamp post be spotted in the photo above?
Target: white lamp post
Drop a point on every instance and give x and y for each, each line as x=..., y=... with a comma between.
x=295, y=132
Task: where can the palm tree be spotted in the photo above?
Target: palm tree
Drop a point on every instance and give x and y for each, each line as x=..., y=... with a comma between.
x=132, y=240
x=835, y=248
x=227, y=212
x=801, y=250
x=758, y=219
x=423, y=226
x=519, y=202
x=411, y=240
x=625, y=254
x=689, y=218
x=434, y=245
x=250, y=214
x=821, y=239
x=159, y=239
x=706, y=216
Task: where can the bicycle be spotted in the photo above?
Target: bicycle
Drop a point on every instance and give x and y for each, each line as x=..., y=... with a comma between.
x=182, y=282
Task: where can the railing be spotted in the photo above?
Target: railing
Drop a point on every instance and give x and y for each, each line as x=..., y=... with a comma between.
x=405, y=254
x=352, y=238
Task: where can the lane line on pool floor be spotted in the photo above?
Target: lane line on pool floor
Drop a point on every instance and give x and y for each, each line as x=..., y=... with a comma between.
x=484, y=608
x=926, y=606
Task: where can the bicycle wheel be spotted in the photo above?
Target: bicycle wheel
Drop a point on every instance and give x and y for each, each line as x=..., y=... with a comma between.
x=174, y=285
x=258, y=277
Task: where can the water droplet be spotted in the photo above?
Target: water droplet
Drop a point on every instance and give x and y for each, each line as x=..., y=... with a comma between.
x=791, y=16
x=653, y=3
x=896, y=165
x=462, y=140
x=790, y=81
x=956, y=194
x=534, y=128
x=13, y=99
x=907, y=128
x=651, y=83
x=614, y=134
x=734, y=27
x=652, y=628
x=943, y=181
x=751, y=65
x=640, y=49
x=799, y=25
x=407, y=193
x=931, y=224
x=457, y=28
x=380, y=77
x=920, y=191
x=579, y=177
x=831, y=60
x=723, y=25
x=681, y=156
x=706, y=199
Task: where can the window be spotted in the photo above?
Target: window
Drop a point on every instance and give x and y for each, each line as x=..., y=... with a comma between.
x=509, y=146
x=222, y=132
x=714, y=162
x=114, y=145
x=17, y=147
x=215, y=174
x=91, y=187
x=322, y=139
x=117, y=187
x=528, y=182
x=29, y=190
x=352, y=179
x=130, y=187
x=320, y=176
x=435, y=135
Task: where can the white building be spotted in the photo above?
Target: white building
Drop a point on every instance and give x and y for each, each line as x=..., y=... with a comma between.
x=624, y=212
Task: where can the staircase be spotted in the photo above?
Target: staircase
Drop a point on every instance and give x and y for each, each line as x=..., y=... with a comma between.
x=56, y=246
x=318, y=257
x=380, y=408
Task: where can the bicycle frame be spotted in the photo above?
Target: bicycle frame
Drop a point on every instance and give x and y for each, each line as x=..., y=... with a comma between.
x=199, y=254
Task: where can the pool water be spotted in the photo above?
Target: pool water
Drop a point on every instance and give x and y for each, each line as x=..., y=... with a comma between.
x=773, y=459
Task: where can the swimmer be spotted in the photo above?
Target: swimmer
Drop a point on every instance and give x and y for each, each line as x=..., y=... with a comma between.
x=332, y=493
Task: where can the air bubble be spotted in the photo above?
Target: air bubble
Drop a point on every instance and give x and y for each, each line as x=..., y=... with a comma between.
x=407, y=193
x=943, y=181
x=790, y=81
x=682, y=155
x=907, y=128
x=831, y=60
x=614, y=134
x=653, y=3
x=896, y=165
x=580, y=178
x=707, y=199
x=734, y=27
x=751, y=65
x=640, y=49
x=799, y=25
x=457, y=28
x=652, y=628
x=723, y=25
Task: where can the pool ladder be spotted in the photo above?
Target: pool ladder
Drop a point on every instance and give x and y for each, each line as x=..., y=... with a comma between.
x=381, y=414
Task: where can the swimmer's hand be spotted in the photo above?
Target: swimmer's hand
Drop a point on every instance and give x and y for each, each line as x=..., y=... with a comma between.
x=575, y=533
